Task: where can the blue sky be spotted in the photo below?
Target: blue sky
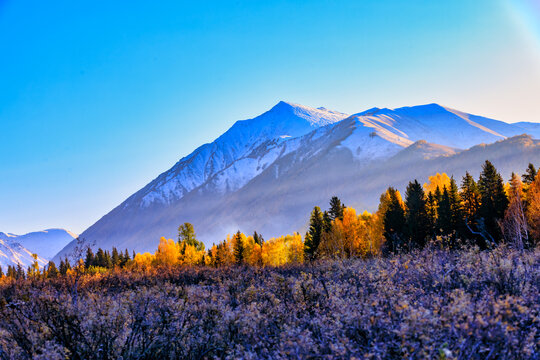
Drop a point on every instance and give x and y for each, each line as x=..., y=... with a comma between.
x=99, y=97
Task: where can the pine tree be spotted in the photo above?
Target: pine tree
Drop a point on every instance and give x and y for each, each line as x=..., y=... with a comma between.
x=493, y=200
x=312, y=241
x=257, y=238
x=336, y=208
x=20, y=272
x=115, y=257
x=238, y=248
x=456, y=210
x=89, y=259
x=11, y=272
x=394, y=222
x=416, y=216
x=530, y=174
x=65, y=266
x=431, y=209
x=444, y=211
x=101, y=260
x=52, y=271
x=327, y=222
x=108, y=260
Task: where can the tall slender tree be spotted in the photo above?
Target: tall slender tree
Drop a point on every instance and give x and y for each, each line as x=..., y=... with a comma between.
x=493, y=200
x=470, y=198
x=336, y=208
x=394, y=222
x=238, y=248
x=418, y=223
x=313, y=237
x=530, y=174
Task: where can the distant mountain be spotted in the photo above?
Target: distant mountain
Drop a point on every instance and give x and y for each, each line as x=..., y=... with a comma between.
x=13, y=253
x=266, y=173
x=46, y=243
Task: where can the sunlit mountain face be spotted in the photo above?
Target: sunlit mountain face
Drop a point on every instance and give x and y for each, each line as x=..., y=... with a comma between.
x=266, y=173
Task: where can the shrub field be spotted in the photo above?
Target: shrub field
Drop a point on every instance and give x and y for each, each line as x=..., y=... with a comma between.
x=429, y=304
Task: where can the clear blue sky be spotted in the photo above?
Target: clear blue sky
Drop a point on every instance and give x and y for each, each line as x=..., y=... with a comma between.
x=99, y=97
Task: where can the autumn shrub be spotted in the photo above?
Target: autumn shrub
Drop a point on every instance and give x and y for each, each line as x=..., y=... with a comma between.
x=428, y=304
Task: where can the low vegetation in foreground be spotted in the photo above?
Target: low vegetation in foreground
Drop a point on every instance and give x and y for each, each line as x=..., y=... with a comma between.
x=429, y=304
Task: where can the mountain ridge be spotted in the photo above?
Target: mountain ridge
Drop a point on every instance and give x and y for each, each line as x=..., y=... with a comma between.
x=285, y=136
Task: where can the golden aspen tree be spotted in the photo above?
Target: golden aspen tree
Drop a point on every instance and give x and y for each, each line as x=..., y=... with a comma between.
x=533, y=210
x=437, y=180
x=168, y=252
x=295, y=249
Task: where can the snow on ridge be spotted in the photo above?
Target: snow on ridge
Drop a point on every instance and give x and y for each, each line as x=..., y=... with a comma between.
x=316, y=117
x=45, y=243
x=227, y=163
x=13, y=253
x=284, y=121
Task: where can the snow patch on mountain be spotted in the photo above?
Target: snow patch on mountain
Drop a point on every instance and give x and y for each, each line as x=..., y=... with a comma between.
x=46, y=243
x=229, y=154
x=13, y=253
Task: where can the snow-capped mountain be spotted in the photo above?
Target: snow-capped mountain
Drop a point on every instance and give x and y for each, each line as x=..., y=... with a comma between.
x=285, y=120
x=46, y=243
x=220, y=185
x=12, y=253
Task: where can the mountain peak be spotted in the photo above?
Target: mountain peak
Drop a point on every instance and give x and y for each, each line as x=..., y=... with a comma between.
x=315, y=117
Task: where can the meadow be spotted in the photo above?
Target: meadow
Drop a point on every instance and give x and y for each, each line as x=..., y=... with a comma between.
x=433, y=303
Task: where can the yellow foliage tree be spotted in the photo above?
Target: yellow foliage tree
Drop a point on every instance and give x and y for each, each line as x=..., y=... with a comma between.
x=354, y=235
x=533, y=209
x=437, y=180
x=283, y=250
x=189, y=255
x=168, y=252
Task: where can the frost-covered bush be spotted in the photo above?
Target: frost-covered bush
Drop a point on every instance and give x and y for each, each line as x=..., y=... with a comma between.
x=433, y=304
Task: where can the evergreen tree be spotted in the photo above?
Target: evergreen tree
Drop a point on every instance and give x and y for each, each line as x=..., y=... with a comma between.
x=336, y=208
x=416, y=216
x=108, y=260
x=52, y=271
x=238, y=248
x=257, y=238
x=1, y=273
x=186, y=234
x=89, y=259
x=530, y=174
x=394, y=222
x=493, y=200
x=20, y=272
x=115, y=257
x=327, y=222
x=456, y=209
x=101, y=260
x=11, y=272
x=431, y=209
x=311, y=243
x=444, y=211
x=65, y=266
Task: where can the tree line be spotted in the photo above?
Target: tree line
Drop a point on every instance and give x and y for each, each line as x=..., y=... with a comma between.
x=484, y=213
